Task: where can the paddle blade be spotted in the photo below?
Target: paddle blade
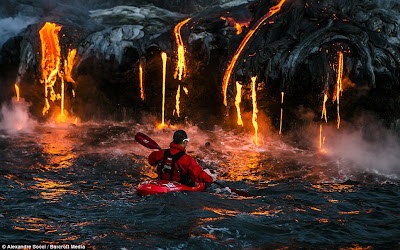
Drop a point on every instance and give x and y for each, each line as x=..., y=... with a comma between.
x=236, y=191
x=146, y=141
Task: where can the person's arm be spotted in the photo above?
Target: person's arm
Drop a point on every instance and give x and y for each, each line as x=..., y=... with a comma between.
x=197, y=173
x=155, y=157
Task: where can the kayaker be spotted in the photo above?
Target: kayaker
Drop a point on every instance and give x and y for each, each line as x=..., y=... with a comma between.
x=175, y=165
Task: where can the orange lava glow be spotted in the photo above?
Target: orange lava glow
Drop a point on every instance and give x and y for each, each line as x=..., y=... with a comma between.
x=164, y=61
x=178, y=95
x=186, y=90
x=255, y=110
x=280, y=123
x=323, y=115
x=69, y=64
x=51, y=56
x=17, y=91
x=238, y=99
x=339, y=87
x=237, y=25
x=232, y=63
x=141, y=81
x=180, y=70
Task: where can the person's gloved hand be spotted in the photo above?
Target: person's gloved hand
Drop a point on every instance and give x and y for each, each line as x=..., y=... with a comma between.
x=213, y=176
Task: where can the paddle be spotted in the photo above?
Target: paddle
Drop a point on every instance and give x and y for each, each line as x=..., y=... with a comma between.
x=150, y=143
x=146, y=141
x=236, y=191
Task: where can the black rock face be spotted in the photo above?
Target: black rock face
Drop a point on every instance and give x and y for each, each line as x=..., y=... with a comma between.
x=294, y=51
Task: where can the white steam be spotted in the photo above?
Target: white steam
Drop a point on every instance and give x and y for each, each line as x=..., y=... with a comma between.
x=15, y=118
x=375, y=151
x=11, y=26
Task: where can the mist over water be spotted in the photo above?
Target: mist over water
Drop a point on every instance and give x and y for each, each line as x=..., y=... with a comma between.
x=15, y=117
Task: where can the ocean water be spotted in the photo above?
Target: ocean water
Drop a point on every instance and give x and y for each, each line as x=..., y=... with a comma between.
x=76, y=185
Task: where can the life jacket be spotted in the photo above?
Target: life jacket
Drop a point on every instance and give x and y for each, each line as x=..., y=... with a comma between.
x=168, y=167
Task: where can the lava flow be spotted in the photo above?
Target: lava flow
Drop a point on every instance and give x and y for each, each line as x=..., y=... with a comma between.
x=280, y=123
x=178, y=95
x=321, y=137
x=17, y=91
x=51, y=56
x=255, y=110
x=232, y=63
x=141, y=80
x=339, y=87
x=164, y=61
x=238, y=100
x=69, y=64
x=180, y=70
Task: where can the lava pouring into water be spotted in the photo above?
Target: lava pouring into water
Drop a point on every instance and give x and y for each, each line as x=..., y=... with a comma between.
x=238, y=100
x=232, y=63
x=69, y=64
x=141, y=80
x=178, y=95
x=180, y=70
x=255, y=110
x=321, y=137
x=50, y=64
x=164, y=62
x=280, y=123
x=17, y=91
x=339, y=87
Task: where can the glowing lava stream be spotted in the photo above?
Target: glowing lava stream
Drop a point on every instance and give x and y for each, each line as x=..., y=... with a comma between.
x=321, y=138
x=178, y=95
x=69, y=64
x=280, y=123
x=324, y=108
x=181, y=63
x=164, y=60
x=141, y=81
x=238, y=100
x=51, y=54
x=255, y=110
x=339, y=87
x=232, y=63
x=17, y=91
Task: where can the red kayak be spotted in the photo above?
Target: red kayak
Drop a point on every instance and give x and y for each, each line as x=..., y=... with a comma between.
x=157, y=186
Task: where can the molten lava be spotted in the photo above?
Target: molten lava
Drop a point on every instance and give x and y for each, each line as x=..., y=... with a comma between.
x=69, y=64
x=164, y=61
x=178, y=95
x=324, y=108
x=237, y=25
x=232, y=63
x=255, y=110
x=51, y=57
x=339, y=87
x=141, y=80
x=180, y=70
x=238, y=100
x=17, y=91
x=322, y=138
x=280, y=123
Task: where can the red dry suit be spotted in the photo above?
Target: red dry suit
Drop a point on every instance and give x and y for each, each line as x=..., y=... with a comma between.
x=183, y=167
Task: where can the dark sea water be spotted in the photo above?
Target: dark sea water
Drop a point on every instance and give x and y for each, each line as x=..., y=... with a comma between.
x=76, y=185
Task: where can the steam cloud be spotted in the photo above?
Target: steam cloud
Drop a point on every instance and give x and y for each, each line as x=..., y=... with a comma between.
x=373, y=149
x=11, y=26
x=15, y=118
